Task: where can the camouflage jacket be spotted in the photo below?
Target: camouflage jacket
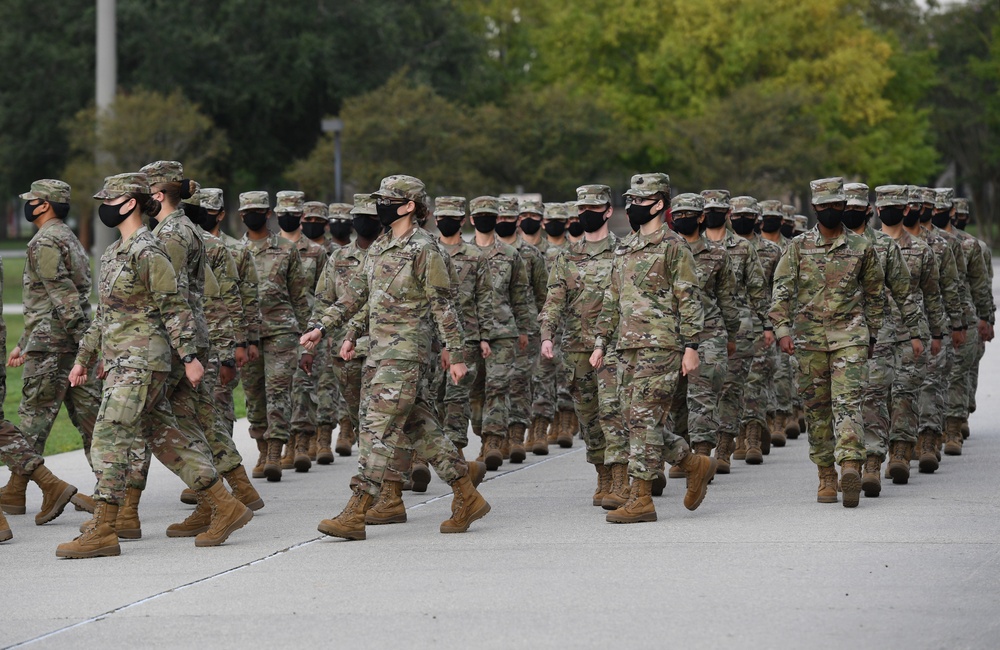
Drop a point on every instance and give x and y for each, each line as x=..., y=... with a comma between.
x=141, y=315
x=948, y=279
x=344, y=264
x=475, y=290
x=186, y=250
x=964, y=281
x=282, y=289
x=718, y=290
x=246, y=270
x=223, y=265
x=752, y=291
x=56, y=291
x=768, y=254
x=514, y=311
x=902, y=315
x=979, y=277
x=575, y=296
x=403, y=279
x=828, y=294
x=654, y=297
x=550, y=251
x=312, y=259
x=220, y=324
x=925, y=292
x=538, y=273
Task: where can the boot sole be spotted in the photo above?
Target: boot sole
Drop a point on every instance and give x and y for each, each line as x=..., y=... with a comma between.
x=953, y=451
x=395, y=519
x=189, y=500
x=517, y=457
x=832, y=499
x=230, y=529
x=611, y=519
x=129, y=533
x=871, y=486
x=187, y=533
x=475, y=516
x=57, y=509
x=6, y=535
x=899, y=475
x=704, y=489
x=13, y=510
x=255, y=505
x=565, y=443
x=272, y=473
x=81, y=504
x=850, y=485
x=723, y=467
x=343, y=451
x=777, y=442
x=612, y=504
x=765, y=443
x=421, y=478
x=754, y=460
x=107, y=551
x=302, y=465
x=493, y=461
x=257, y=473
x=739, y=456
x=657, y=485
x=355, y=535
x=324, y=459
x=540, y=451
x=928, y=465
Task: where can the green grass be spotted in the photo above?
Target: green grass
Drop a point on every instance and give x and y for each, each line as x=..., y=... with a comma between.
x=13, y=268
x=13, y=244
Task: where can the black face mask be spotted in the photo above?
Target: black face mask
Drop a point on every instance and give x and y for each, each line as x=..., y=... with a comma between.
x=770, y=224
x=366, y=227
x=685, y=225
x=388, y=214
x=960, y=223
x=449, y=226
x=788, y=231
x=639, y=214
x=255, y=221
x=485, y=223
x=196, y=214
x=854, y=218
x=829, y=217
x=555, y=228
x=575, y=229
x=506, y=228
x=592, y=220
x=911, y=219
x=743, y=225
x=926, y=213
x=340, y=230
x=111, y=215
x=314, y=229
x=530, y=226
x=29, y=211
x=715, y=218
x=891, y=215
x=941, y=219
x=289, y=222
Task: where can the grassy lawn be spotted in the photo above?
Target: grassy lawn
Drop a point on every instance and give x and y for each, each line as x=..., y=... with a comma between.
x=13, y=269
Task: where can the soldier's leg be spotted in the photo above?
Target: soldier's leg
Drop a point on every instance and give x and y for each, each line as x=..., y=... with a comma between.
x=221, y=445
x=329, y=402
x=957, y=409
x=255, y=390
x=82, y=404
x=974, y=376
x=877, y=377
x=704, y=387
x=225, y=407
x=904, y=415
x=814, y=386
x=457, y=411
x=847, y=387
x=496, y=405
x=44, y=389
x=784, y=391
x=544, y=389
x=15, y=452
x=583, y=387
x=393, y=395
x=280, y=361
x=477, y=396
x=758, y=390
x=612, y=424
x=933, y=391
x=303, y=420
x=734, y=386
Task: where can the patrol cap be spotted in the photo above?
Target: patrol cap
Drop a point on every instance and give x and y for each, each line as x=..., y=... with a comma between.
x=716, y=199
x=570, y=208
x=115, y=186
x=484, y=204
x=687, y=202
x=788, y=211
x=48, y=189
x=339, y=211
x=857, y=194
x=943, y=198
x=315, y=209
x=211, y=198
x=555, y=211
x=401, y=186
x=645, y=185
x=801, y=223
x=449, y=206
x=772, y=208
x=961, y=206
x=195, y=198
x=593, y=195
x=744, y=205
x=886, y=195
x=364, y=204
x=164, y=171
x=530, y=206
x=256, y=200
x=508, y=207
x=827, y=190
x=922, y=194
x=289, y=201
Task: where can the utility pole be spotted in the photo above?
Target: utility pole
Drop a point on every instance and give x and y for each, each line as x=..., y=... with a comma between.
x=107, y=81
x=335, y=125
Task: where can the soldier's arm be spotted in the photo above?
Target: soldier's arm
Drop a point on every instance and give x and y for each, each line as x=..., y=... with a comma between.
x=349, y=302
x=157, y=274
x=931, y=288
x=539, y=279
x=783, y=292
x=430, y=267
x=248, y=295
x=607, y=320
x=357, y=326
x=228, y=277
x=299, y=285
x=979, y=284
x=873, y=284
x=687, y=292
x=555, y=300
x=897, y=279
x=950, y=282
x=90, y=342
x=54, y=274
x=756, y=285
x=220, y=323
x=520, y=301
x=484, y=299
x=725, y=294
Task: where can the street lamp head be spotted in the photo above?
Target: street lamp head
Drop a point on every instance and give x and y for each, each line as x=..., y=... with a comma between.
x=332, y=125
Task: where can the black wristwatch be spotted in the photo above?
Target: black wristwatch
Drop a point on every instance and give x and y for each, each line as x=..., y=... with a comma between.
x=693, y=346
x=189, y=358
x=319, y=326
x=229, y=363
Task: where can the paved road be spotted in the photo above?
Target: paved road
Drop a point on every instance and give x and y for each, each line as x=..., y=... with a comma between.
x=759, y=565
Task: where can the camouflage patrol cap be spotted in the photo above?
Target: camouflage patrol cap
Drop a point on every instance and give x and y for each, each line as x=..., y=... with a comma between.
x=449, y=206
x=115, y=186
x=256, y=200
x=555, y=211
x=801, y=223
x=961, y=206
x=315, y=209
x=716, y=199
x=484, y=204
x=596, y=195
x=195, y=198
x=772, y=208
x=211, y=198
x=827, y=190
x=788, y=211
x=744, y=205
x=340, y=211
x=943, y=198
x=569, y=207
x=507, y=207
x=645, y=185
x=687, y=202
x=48, y=189
x=526, y=206
x=364, y=204
x=857, y=194
x=289, y=201
x=164, y=171
x=401, y=186
x=921, y=194
x=886, y=195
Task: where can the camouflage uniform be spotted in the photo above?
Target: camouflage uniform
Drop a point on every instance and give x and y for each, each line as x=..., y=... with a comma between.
x=330, y=405
x=961, y=220
x=784, y=395
x=550, y=385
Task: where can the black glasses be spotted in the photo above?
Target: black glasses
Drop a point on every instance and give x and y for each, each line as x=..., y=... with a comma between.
x=387, y=201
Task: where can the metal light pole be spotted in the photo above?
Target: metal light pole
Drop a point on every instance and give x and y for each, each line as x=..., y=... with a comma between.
x=335, y=125
x=107, y=81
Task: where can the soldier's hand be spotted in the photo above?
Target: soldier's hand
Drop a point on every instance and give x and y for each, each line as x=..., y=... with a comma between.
x=983, y=329
x=311, y=339
x=347, y=351
x=730, y=349
x=597, y=358
x=445, y=359
x=15, y=360
x=991, y=333
x=871, y=350
x=918, y=347
x=100, y=372
x=240, y=357
x=194, y=371
x=458, y=370
x=786, y=344
x=690, y=362
x=768, y=338
x=935, y=346
x=306, y=363
x=547, y=350
x=484, y=349
x=253, y=353
x=77, y=376
x=226, y=375
x=957, y=338
x=522, y=343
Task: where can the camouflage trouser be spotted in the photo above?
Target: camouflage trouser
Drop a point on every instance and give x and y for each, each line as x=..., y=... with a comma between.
x=134, y=406
x=796, y=370
x=695, y=407
x=734, y=380
x=879, y=375
x=490, y=394
x=909, y=376
x=305, y=399
x=330, y=404
x=348, y=377
x=600, y=418
x=648, y=383
x=784, y=381
x=832, y=388
x=46, y=388
x=934, y=390
x=455, y=403
x=222, y=410
x=758, y=393
x=544, y=384
x=974, y=375
x=525, y=367
x=612, y=418
x=223, y=397
x=399, y=423
x=15, y=451
x=962, y=367
x=267, y=383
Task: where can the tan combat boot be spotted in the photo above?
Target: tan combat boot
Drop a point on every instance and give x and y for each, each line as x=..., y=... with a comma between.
x=5, y=533
x=827, y=492
x=557, y=426
x=349, y=524
x=953, y=436
x=302, y=462
x=505, y=446
x=313, y=447
x=723, y=451
x=703, y=448
x=12, y=495
x=288, y=458
x=389, y=509
x=189, y=497
x=938, y=444
x=765, y=439
x=966, y=432
x=871, y=482
x=603, y=484
x=620, y=489
x=467, y=506
x=228, y=515
x=242, y=488
x=477, y=472
x=99, y=540
x=569, y=428
x=850, y=482
x=272, y=466
x=83, y=502
x=492, y=455
x=659, y=483
x=56, y=493
x=700, y=471
x=324, y=438
x=539, y=431
x=517, y=453
x=792, y=430
x=801, y=417
x=258, y=469
x=420, y=475
x=778, y=434
x=754, y=454
x=899, y=463
x=927, y=459
x=196, y=523
x=127, y=525
x=740, y=450
x=345, y=438
x=638, y=508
